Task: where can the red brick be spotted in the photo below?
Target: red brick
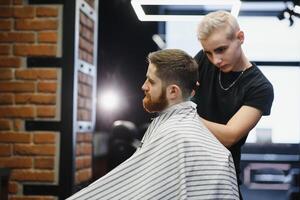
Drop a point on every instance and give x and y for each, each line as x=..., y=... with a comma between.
x=84, y=103
x=88, y=104
x=35, y=197
x=84, y=115
x=83, y=149
x=5, y=124
x=84, y=137
x=86, y=21
x=47, y=74
x=26, y=74
x=86, y=45
x=10, y=62
x=47, y=37
x=18, y=125
x=47, y=87
x=80, y=102
x=29, y=149
x=47, y=11
x=17, y=37
x=6, y=11
x=5, y=24
x=83, y=78
x=13, y=187
x=5, y=2
x=6, y=99
x=84, y=90
x=16, y=162
x=90, y=80
x=24, y=12
x=17, y=87
x=83, y=18
x=44, y=163
x=5, y=49
x=83, y=162
x=82, y=55
x=6, y=74
x=39, y=99
x=83, y=175
x=35, y=50
x=36, y=24
x=87, y=34
x=44, y=138
x=32, y=74
x=86, y=56
x=46, y=111
x=16, y=112
x=5, y=150
x=91, y=3
x=15, y=137
x=30, y=175
x=18, y=2
x=90, y=58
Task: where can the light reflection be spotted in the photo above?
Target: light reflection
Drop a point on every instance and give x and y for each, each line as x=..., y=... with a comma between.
x=109, y=100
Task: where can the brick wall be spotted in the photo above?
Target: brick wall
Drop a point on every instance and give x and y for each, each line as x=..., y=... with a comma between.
x=86, y=40
x=83, y=157
x=84, y=139
x=86, y=85
x=29, y=94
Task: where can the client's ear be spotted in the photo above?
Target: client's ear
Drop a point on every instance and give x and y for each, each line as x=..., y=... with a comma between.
x=173, y=92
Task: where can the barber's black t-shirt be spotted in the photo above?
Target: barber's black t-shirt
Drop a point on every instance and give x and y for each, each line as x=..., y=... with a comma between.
x=218, y=105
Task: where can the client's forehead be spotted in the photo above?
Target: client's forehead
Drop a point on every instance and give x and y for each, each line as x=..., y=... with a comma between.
x=151, y=71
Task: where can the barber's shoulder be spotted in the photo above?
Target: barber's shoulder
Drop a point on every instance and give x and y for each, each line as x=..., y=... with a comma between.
x=260, y=77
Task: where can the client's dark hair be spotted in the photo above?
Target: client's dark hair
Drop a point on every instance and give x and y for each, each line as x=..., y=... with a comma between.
x=174, y=66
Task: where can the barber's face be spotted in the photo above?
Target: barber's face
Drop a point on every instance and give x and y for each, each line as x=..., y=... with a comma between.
x=223, y=52
x=155, y=94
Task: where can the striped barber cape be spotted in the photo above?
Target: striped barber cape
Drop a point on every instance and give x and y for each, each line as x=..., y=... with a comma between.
x=178, y=159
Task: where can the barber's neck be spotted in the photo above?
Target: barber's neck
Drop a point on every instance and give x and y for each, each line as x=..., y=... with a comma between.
x=244, y=63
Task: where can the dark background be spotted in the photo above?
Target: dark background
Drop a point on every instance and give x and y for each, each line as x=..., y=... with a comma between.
x=124, y=43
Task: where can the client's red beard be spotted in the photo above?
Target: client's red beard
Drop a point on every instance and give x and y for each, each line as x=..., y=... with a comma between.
x=157, y=105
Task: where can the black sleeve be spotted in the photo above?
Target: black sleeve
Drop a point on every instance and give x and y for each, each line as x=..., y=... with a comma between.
x=261, y=98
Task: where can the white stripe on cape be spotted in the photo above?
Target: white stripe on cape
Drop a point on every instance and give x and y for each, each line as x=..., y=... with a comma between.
x=179, y=159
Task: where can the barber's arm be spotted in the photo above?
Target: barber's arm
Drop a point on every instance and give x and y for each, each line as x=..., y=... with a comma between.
x=237, y=127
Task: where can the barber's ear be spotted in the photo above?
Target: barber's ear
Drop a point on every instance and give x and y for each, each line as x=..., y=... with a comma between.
x=241, y=36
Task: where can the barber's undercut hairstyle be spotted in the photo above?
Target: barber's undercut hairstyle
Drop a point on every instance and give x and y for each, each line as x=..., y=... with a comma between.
x=217, y=21
x=174, y=66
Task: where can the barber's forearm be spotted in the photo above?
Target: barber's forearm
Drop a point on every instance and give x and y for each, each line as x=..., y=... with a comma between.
x=222, y=132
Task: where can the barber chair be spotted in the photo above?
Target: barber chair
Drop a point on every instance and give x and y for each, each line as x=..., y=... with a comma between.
x=294, y=179
x=122, y=142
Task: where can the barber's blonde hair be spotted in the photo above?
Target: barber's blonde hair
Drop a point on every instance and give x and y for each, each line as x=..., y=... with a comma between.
x=217, y=21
